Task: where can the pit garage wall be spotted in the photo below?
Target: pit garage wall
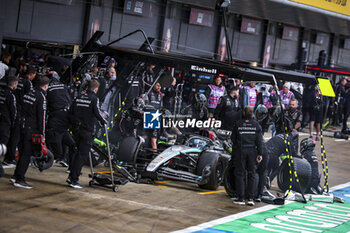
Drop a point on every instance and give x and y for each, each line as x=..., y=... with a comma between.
x=74, y=21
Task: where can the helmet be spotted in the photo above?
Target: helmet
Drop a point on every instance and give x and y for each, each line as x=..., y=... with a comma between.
x=3, y=150
x=41, y=161
x=261, y=112
x=140, y=103
x=307, y=144
x=200, y=100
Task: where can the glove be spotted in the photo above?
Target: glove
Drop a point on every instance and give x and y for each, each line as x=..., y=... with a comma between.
x=44, y=149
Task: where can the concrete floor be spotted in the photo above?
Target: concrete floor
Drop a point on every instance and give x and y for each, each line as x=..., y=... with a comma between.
x=51, y=206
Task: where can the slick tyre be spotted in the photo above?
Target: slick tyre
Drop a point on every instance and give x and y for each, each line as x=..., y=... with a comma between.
x=128, y=149
x=216, y=164
x=229, y=180
x=303, y=170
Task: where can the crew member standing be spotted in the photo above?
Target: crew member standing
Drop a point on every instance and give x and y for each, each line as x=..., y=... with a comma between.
x=58, y=103
x=286, y=95
x=247, y=151
x=214, y=93
x=24, y=87
x=8, y=110
x=147, y=77
x=34, y=116
x=155, y=98
x=84, y=112
x=229, y=109
x=252, y=94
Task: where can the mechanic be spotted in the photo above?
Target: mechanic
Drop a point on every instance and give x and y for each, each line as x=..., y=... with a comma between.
x=345, y=129
x=58, y=103
x=339, y=101
x=286, y=95
x=147, y=77
x=8, y=112
x=131, y=89
x=293, y=117
x=229, y=109
x=213, y=93
x=24, y=87
x=196, y=110
x=169, y=96
x=83, y=112
x=247, y=150
x=75, y=87
x=34, y=116
x=155, y=98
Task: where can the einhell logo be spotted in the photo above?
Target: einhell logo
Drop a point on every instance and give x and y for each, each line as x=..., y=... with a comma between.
x=203, y=69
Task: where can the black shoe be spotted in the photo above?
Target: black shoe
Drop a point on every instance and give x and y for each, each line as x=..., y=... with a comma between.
x=257, y=199
x=22, y=184
x=75, y=185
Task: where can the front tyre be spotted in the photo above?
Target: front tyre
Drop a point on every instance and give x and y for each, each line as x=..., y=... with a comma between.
x=216, y=164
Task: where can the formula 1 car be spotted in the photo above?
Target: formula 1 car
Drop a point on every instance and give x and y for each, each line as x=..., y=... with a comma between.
x=198, y=161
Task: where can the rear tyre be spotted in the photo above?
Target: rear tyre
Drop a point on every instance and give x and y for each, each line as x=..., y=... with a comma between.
x=216, y=163
x=303, y=169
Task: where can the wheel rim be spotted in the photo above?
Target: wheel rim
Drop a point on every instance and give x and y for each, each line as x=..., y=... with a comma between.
x=219, y=172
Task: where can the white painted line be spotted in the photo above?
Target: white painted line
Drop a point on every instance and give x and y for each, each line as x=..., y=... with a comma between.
x=339, y=187
x=226, y=219
x=340, y=140
x=243, y=214
x=134, y=203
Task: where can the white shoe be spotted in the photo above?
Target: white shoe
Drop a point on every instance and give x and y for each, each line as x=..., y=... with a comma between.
x=239, y=202
x=250, y=202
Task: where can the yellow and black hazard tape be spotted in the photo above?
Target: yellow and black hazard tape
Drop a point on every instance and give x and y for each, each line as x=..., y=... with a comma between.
x=324, y=163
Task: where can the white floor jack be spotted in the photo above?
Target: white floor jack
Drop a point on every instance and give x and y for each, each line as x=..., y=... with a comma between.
x=106, y=179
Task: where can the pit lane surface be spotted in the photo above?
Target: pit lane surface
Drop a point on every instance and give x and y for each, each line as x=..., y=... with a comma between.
x=51, y=206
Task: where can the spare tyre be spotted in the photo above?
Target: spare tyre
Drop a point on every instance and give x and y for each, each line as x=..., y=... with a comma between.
x=216, y=164
x=303, y=170
x=229, y=179
x=128, y=150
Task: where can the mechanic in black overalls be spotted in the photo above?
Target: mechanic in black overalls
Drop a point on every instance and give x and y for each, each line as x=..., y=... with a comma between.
x=132, y=89
x=83, y=113
x=34, y=117
x=147, y=77
x=196, y=110
x=169, y=96
x=24, y=87
x=229, y=109
x=8, y=110
x=155, y=98
x=58, y=103
x=247, y=151
x=345, y=129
